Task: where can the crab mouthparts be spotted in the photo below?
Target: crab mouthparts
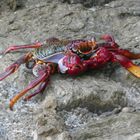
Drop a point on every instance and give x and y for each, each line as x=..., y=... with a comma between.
x=85, y=49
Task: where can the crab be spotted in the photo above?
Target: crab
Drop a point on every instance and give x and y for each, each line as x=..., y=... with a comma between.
x=72, y=57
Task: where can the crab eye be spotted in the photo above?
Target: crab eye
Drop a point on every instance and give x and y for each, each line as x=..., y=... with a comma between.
x=93, y=39
x=74, y=49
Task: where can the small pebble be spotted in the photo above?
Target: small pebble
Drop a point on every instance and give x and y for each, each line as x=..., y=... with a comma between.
x=128, y=109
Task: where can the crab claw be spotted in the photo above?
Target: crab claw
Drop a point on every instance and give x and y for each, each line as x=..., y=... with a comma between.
x=128, y=64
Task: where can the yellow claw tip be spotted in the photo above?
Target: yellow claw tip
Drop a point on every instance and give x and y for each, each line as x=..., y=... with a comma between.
x=135, y=70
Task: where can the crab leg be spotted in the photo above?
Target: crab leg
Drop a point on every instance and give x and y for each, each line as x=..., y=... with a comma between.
x=127, y=64
x=14, y=48
x=129, y=54
x=12, y=68
x=115, y=48
x=42, y=77
x=40, y=89
x=125, y=53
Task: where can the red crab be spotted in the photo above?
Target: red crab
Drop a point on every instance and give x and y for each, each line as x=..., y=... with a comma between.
x=71, y=57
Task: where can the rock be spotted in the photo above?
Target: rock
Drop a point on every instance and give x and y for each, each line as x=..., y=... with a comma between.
x=3, y=135
x=112, y=127
x=15, y=4
x=49, y=124
x=84, y=107
x=95, y=95
x=62, y=136
x=128, y=109
x=88, y=3
x=49, y=103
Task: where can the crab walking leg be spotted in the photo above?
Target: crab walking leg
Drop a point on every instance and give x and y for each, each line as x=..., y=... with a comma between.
x=129, y=54
x=115, y=48
x=127, y=64
x=14, y=48
x=40, y=89
x=7, y=72
x=12, y=68
x=43, y=76
x=125, y=53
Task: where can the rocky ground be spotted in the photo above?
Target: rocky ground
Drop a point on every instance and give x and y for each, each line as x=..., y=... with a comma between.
x=98, y=105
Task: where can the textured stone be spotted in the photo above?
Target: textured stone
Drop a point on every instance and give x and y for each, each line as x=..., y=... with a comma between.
x=88, y=3
x=85, y=107
x=113, y=127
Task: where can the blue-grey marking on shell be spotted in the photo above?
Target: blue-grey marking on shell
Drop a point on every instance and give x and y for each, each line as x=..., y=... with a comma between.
x=48, y=49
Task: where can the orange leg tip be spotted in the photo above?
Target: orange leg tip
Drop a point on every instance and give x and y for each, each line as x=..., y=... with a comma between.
x=135, y=70
x=11, y=106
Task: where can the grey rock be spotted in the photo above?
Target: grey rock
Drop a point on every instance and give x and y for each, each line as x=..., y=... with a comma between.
x=128, y=109
x=88, y=3
x=94, y=95
x=111, y=128
x=50, y=124
x=3, y=134
x=84, y=107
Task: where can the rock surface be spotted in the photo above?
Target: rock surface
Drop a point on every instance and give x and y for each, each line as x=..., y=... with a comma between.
x=88, y=3
x=103, y=104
